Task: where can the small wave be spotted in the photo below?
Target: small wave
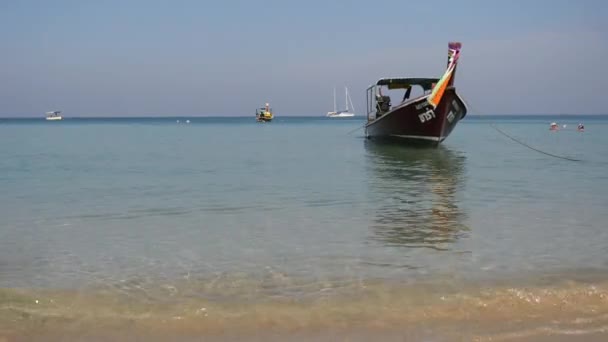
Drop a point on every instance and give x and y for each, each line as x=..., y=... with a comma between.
x=133, y=214
x=273, y=300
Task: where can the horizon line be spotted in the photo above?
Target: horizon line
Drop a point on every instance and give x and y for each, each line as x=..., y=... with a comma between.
x=282, y=116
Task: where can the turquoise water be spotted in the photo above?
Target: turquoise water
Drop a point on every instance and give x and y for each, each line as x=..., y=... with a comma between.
x=229, y=209
x=89, y=201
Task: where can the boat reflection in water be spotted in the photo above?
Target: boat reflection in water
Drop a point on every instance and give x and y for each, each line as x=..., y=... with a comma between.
x=415, y=191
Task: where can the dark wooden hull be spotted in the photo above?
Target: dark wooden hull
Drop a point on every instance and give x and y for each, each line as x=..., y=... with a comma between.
x=417, y=123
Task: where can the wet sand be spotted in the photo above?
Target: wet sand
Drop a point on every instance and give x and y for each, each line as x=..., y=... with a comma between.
x=354, y=335
x=570, y=311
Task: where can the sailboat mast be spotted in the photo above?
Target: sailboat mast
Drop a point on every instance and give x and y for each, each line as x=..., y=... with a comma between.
x=335, y=109
x=346, y=97
x=351, y=104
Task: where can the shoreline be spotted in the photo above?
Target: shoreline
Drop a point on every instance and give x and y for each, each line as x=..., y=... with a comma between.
x=567, y=311
x=437, y=332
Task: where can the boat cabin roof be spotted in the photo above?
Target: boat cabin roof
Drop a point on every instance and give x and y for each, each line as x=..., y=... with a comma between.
x=404, y=83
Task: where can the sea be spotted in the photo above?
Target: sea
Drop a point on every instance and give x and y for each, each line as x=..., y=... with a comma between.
x=301, y=229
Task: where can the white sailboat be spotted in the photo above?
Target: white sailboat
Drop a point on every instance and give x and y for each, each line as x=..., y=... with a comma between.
x=343, y=113
x=56, y=115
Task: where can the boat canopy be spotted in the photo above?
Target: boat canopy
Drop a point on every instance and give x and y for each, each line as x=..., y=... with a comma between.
x=404, y=83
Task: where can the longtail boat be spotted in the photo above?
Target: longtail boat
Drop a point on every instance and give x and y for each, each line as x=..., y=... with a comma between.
x=425, y=119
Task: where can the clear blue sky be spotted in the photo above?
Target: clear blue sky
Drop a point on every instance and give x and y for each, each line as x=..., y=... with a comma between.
x=226, y=57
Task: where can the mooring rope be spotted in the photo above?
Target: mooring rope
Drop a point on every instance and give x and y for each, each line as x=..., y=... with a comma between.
x=521, y=142
x=356, y=129
x=530, y=147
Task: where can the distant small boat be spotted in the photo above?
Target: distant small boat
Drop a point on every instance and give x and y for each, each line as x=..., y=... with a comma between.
x=52, y=116
x=264, y=114
x=346, y=113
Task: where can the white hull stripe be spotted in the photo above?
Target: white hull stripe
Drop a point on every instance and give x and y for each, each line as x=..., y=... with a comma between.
x=421, y=137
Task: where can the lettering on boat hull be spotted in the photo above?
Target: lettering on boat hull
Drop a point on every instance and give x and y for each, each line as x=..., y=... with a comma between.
x=418, y=122
x=427, y=116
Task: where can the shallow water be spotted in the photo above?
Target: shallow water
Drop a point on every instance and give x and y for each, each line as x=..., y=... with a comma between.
x=299, y=226
x=435, y=310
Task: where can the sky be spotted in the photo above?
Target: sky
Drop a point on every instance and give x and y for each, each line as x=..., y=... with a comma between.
x=228, y=57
